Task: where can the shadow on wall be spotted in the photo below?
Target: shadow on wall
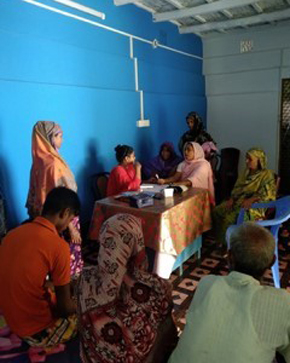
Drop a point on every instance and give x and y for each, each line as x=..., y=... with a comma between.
x=163, y=130
x=161, y=121
x=144, y=142
x=92, y=164
x=6, y=185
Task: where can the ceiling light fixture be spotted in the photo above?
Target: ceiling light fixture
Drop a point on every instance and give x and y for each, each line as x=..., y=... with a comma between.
x=82, y=8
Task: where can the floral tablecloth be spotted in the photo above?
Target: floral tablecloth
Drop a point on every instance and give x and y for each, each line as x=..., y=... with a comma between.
x=169, y=225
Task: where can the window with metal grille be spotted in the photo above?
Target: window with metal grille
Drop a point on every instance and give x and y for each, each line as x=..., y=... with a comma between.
x=284, y=157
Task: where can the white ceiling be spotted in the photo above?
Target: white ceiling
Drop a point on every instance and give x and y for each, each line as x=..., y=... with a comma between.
x=208, y=17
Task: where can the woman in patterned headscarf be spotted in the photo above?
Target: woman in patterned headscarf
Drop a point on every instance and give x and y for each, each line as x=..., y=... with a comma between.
x=256, y=184
x=121, y=306
x=49, y=170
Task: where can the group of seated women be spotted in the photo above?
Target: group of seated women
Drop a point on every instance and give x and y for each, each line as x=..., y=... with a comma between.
x=124, y=310
x=134, y=313
x=166, y=168
x=191, y=170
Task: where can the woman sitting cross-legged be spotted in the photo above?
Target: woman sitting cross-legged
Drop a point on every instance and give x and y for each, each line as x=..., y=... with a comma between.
x=256, y=184
x=127, y=175
x=163, y=165
x=124, y=311
x=194, y=171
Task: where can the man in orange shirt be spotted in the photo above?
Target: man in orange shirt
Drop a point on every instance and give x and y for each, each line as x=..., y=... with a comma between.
x=29, y=256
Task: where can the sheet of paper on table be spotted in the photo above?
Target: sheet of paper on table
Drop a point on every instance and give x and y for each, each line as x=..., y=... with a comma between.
x=155, y=188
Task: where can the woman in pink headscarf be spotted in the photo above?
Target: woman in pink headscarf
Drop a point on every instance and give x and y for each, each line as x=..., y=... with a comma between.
x=194, y=171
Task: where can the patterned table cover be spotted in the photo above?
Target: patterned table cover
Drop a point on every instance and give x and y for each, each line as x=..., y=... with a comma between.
x=169, y=226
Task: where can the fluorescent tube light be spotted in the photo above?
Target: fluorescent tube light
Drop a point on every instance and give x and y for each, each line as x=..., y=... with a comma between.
x=82, y=8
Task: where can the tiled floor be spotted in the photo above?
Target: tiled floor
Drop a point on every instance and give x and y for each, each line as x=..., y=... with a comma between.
x=212, y=262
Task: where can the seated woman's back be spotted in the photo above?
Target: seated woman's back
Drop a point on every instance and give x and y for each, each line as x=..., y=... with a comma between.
x=121, y=305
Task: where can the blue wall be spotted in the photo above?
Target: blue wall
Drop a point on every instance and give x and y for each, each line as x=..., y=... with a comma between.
x=57, y=68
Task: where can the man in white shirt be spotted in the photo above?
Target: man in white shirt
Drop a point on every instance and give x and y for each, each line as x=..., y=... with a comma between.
x=233, y=319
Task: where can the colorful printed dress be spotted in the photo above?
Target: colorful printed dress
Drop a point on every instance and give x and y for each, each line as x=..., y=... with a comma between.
x=260, y=185
x=120, y=305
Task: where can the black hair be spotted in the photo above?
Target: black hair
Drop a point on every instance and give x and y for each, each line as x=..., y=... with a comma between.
x=59, y=199
x=122, y=151
x=193, y=115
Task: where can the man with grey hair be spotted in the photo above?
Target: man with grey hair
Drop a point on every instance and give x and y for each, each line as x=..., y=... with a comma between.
x=234, y=319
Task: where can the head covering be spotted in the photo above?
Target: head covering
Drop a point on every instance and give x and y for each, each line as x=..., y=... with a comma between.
x=120, y=304
x=197, y=134
x=159, y=166
x=48, y=129
x=198, y=152
x=260, y=184
x=198, y=125
x=198, y=170
x=260, y=155
x=49, y=170
x=170, y=147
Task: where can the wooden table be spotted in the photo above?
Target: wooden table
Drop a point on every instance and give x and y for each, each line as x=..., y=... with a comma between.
x=170, y=226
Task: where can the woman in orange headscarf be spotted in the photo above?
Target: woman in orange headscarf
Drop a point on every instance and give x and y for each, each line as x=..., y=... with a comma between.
x=49, y=170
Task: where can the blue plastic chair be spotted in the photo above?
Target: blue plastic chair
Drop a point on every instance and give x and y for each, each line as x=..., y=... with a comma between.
x=281, y=215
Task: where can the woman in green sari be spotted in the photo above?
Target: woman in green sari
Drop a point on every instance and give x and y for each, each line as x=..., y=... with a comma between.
x=256, y=184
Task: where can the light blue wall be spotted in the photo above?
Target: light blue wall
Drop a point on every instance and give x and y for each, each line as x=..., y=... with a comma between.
x=57, y=68
x=244, y=89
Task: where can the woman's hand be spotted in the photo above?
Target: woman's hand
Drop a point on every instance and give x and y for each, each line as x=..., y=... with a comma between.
x=161, y=181
x=138, y=166
x=248, y=202
x=74, y=234
x=152, y=180
x=230, y=203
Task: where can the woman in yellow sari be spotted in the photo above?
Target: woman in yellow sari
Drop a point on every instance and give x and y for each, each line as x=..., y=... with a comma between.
x=49, y=170
x=256, y=184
